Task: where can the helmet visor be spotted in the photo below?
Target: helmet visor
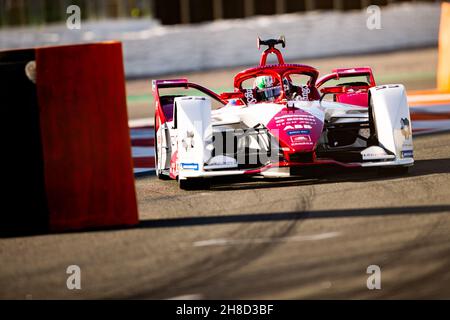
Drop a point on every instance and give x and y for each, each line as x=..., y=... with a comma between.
x=271, y=93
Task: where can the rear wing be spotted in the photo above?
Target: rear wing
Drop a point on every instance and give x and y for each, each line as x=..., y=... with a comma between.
x=182, y=83
x=169, y=82
x=164, y=103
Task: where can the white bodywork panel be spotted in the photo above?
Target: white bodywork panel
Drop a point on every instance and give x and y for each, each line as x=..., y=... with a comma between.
x=392, y=119
x=194, y=134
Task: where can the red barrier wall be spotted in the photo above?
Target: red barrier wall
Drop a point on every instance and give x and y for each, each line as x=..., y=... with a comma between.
x=84, y=144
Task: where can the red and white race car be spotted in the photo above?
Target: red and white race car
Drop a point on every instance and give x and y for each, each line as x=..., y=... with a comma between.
x=280, y=120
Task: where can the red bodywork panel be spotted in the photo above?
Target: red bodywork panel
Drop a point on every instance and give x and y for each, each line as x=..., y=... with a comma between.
x=266, y=53
x=357, y=98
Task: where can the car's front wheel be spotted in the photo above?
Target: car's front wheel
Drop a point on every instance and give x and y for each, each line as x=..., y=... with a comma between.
x=395, y=171
x=194, y=184
x=158, y=171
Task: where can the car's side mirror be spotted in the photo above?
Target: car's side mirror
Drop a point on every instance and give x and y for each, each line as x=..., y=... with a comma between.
x=332, y=90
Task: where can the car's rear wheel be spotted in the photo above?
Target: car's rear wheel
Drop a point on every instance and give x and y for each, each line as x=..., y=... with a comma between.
x=373, y=139
x=159, y=172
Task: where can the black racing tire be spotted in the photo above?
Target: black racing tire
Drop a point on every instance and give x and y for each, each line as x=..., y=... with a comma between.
x=373, y=139
x=194, y=184
x=160, y=175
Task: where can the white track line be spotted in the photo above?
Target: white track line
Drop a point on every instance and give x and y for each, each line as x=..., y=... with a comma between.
x=232, y=242
x=143, y=122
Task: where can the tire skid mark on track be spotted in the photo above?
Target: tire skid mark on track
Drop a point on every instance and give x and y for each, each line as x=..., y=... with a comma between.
x=394, y=258
x=200, y=273
x=432, y=277
x=399, y=255
x=308, y=274
x=249, y=270
x=227, y=207
x=381, y=184
x=407, y=250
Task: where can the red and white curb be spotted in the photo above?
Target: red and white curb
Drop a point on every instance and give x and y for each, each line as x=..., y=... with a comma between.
x=143, y=145
x=430, y=113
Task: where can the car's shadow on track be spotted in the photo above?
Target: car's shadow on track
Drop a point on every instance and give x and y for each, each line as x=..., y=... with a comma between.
x=333, y=175
x=282, y=216
x=421, y=168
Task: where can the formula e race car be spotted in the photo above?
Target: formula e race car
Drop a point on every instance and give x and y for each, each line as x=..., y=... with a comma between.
x=279, y=121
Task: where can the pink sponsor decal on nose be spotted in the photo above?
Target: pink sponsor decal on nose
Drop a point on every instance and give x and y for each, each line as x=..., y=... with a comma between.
x=296, y=128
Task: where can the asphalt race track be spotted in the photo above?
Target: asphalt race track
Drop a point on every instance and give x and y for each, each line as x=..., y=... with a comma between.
x=253, y=239
x=310, y=239
x=269, y=239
